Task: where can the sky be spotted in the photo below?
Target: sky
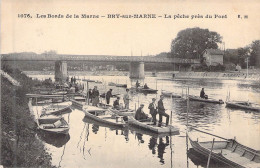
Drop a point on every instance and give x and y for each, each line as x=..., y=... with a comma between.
x=123, y=36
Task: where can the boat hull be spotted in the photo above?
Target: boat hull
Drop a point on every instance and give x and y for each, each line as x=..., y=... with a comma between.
x=195, y=98
x=109, y=121
x=239, y=106
x=169, y=94
x=155, y=129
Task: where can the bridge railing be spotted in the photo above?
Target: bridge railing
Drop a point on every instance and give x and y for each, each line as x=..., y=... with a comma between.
x=97, y=58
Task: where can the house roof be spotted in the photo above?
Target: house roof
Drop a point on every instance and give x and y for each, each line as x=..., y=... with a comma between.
x=214, y=51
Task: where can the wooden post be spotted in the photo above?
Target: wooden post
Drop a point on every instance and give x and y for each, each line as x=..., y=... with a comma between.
x=87, y=93
x=188, y=106
x=210, y=152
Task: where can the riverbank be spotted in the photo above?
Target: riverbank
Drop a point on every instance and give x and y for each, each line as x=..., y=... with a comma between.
x=19, y=145
x=218, y=75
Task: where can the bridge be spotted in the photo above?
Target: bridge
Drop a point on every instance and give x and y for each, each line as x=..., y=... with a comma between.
x=136, y=62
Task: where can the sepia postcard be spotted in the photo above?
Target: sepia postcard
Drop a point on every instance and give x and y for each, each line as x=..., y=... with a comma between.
x=151, y=84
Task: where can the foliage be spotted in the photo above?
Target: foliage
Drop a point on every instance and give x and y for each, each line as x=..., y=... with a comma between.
x=255, y=53
x=203, y=68
x=191, y=42
x=243, y=53
x=20, y=147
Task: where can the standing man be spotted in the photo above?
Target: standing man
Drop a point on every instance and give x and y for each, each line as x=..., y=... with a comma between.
x=153, y=111
x=108, y=95
x=95, y=96
x=89, y=96
x=126, y=99
x=161, y=111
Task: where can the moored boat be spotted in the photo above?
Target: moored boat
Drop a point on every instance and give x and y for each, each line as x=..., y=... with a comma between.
x=78, y=102
x=146, y=91
x=117, y=85
x=148, y=126
x=56, y=108
x=48, y=118
x=226, y=151
x=170, y=94
x=243, y=105
x=209, y=100
x=103, y=115
x=59, y=126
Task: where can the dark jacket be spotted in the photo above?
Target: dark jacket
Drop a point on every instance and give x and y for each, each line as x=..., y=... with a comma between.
x=116, y=104
x=95, y=93
x=140, y=115
x=161, y=108
x=109, y=94
x=152, y=108
x=202, y=94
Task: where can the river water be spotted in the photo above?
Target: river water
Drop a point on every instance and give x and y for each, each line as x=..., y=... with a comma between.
x=89, y=144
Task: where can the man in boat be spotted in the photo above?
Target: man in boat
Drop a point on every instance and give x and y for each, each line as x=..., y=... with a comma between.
x=202, y=94
x=161, y=111
x=140, y=115
x=95, y=96
x=126, y=99
x=108, y=96
x=116, y=103
x=153, y=111
x=145, y=86
x=137, y=84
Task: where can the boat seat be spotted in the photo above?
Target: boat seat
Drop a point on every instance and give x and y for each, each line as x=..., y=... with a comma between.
x=46, y=126
x=237, y=158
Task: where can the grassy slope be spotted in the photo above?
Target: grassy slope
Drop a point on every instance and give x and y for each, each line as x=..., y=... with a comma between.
x=19, y=146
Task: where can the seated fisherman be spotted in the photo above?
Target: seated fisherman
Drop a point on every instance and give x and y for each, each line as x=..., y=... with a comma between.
x=140, y=115
x=137, y=84
x=116, y=103
x=145, y=86
x=202, y=93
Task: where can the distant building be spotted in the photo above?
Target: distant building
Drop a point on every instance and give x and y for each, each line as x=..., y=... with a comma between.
x=213, y=56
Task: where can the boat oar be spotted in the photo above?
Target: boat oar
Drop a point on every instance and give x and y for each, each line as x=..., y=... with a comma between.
x=210, y=152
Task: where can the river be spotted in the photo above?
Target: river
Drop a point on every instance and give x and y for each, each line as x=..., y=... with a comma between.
x=91, y=145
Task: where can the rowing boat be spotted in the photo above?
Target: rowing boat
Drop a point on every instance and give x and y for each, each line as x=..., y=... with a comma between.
x=148, y=125
x=117, y=85
x=103, y=115
x=170, y=94
x=242, y=105
x=44, y=119
x=78, y=102
x=56, y=108
x=57, y=140
x=196, y=98
x=226, y=151
x=146, y=91
x=59, y=126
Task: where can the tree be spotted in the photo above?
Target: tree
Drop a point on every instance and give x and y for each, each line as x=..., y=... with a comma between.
x=191, y=42
x=255, y=53
x=243, y=53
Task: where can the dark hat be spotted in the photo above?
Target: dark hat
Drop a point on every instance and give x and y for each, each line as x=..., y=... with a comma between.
x=142, y=105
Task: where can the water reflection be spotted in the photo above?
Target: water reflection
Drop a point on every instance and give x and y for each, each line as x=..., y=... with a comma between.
x=93, y=144
x=57, y=140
